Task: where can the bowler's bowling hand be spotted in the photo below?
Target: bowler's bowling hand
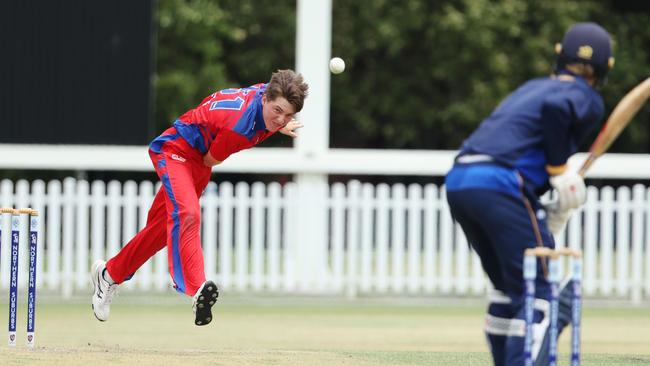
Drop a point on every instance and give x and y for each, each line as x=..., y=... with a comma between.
x=209, y=161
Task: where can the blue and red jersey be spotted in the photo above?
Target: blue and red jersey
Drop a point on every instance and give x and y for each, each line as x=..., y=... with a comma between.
x=225, y=122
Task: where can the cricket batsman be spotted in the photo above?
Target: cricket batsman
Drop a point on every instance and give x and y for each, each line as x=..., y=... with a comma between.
x=515, y=155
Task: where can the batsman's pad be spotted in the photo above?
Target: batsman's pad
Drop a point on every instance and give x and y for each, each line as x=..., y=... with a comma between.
x=497, y=325
x=563, y=319
x=506, y=333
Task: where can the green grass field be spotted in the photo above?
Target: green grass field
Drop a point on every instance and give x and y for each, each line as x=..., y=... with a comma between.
x=160, y=331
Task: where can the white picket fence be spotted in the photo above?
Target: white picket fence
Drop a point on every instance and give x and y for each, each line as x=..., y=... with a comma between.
x=379, y=239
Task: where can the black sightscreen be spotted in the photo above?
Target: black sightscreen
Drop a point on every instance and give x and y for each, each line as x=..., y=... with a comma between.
x=75, y=71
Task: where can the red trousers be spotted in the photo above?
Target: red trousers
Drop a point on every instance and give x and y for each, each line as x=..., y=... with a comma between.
x=174, y=219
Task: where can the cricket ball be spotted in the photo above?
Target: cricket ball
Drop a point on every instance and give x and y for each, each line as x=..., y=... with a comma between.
x=337, y=65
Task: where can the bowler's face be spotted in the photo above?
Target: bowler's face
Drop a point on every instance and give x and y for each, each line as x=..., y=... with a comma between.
x=277, y=113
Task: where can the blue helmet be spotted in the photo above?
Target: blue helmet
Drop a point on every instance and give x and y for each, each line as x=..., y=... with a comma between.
x=586, y=43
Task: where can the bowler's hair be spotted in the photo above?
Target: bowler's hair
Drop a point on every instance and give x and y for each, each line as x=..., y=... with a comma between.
x=290, y=85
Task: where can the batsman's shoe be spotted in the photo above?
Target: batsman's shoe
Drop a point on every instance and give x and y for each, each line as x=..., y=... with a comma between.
x=203, y=301
x=104, y=291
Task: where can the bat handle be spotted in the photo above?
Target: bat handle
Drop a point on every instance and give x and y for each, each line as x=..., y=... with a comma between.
x=585, y=166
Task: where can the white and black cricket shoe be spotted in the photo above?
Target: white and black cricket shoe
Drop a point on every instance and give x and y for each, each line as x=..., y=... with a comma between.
x=203, y=301
x=103, y=291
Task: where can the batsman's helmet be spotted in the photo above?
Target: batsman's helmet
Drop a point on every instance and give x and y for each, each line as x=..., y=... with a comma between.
x=586, y=43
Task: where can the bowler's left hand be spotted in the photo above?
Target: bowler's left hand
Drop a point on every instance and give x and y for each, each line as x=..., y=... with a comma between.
x=291, y=127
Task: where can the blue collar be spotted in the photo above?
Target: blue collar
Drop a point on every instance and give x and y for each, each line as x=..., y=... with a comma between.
x=257, y=109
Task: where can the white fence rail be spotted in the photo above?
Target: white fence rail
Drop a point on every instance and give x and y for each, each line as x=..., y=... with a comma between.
x=380, y=239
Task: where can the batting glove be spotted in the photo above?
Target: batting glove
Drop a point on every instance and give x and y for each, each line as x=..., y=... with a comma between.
x=556, y=220
x=571, y=190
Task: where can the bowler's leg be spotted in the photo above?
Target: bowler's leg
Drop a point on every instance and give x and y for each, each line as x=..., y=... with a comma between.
x=183, y=223
x=106, y=276
x=144, y=245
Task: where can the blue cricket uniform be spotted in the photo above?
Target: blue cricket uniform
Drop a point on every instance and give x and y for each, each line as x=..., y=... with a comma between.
x=494, y=186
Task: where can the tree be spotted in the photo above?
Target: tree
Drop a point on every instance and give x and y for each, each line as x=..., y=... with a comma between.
x=420, y=74
x=206, y=45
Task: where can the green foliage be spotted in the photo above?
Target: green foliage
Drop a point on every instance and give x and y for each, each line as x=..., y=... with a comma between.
x=435, y=70
x=190, y=49
x=206, y=45
x=629, y=28
x=265, y=42
x=420, y=74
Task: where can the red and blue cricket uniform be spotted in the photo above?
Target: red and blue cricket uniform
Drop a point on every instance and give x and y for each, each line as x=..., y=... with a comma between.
x=500, y=170
x=224, y=123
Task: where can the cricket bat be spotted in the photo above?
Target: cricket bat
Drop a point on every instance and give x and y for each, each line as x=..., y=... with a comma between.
x=618, y=119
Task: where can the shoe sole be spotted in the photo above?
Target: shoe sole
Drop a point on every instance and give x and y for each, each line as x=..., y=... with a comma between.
x=94, y=272
x=207, y=299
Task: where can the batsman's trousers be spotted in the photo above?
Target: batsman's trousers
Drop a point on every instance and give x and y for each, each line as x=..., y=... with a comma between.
x=500, y=222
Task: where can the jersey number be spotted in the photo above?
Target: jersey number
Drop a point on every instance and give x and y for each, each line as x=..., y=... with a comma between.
x=232, y=104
